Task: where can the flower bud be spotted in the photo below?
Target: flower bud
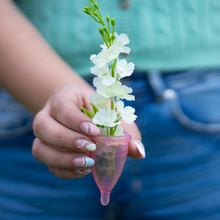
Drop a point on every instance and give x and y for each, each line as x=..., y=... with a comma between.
x=95, y=14
x=105, y=29
x=113, y=37
x=87, y=12
x=87, y=8
x=96, y=5
x=101, y=31
x=113, y=21
x=91, y=1
x=107, y=18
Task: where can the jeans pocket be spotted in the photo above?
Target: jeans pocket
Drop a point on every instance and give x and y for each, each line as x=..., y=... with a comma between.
x=196, y=105
x=15, y=120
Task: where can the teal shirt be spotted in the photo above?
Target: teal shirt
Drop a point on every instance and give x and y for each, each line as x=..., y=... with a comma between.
x=165, y=34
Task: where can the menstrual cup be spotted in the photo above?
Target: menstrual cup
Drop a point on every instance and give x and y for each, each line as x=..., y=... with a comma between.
x=109, y=157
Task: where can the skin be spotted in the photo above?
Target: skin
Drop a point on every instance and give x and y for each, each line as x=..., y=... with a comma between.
x=39, y=79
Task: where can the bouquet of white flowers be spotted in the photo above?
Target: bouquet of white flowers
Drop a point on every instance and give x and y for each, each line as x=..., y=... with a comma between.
x=112, y=144
x=109, y=69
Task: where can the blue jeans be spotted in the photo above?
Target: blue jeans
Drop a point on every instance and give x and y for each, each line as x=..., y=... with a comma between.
x=179, y=178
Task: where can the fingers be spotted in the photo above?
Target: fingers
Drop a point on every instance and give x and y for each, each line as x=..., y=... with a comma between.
x=59, y=158
x=136, y=148
x=69, y=114
x=52, y=132
x=69, y=174
x=62, y=131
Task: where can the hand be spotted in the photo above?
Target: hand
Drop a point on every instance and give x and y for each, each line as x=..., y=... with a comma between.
x=63, y=131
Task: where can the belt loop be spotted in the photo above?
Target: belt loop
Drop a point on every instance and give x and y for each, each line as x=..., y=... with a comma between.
x=157, y=85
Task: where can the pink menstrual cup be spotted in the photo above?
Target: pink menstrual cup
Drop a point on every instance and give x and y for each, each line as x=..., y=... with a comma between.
x=109, y=156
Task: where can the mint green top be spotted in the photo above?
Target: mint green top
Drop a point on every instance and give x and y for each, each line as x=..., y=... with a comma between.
x=165, y=34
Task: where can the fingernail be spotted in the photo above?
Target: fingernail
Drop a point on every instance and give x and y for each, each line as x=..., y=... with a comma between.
x=89, y=128
x=83, y=172
x=140, y=148
x=83, y=144
x=83, y=162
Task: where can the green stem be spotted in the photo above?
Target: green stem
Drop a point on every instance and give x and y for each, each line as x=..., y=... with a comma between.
x=108, y=27
x=105, y=41
x=102, y=22
x=112, y=104
x=115, y=61
x=95, y=19
x=113, y=32
x=91, y=6
x=113, y=70
x=115, y=129
x=99, y=13
x=108, y=38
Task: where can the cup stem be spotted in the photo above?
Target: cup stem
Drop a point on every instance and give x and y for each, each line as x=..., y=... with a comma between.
x=105, y=197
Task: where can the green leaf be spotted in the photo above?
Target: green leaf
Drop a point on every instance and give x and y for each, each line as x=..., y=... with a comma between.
x=87, y=112
x=95, y=109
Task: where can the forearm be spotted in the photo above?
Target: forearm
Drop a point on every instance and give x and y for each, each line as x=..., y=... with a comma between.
x=29, y=69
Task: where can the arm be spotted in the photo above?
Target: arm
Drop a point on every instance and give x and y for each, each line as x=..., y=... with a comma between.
x=27, y=62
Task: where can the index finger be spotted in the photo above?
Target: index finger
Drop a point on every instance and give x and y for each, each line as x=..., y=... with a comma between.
x=68, y=114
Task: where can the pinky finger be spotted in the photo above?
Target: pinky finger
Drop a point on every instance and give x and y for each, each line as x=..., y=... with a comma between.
x=68, y=174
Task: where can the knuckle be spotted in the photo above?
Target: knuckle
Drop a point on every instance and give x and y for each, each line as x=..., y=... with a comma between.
x=38, y=124
x=60, y=162
x=61, y=139
x=63, y=161
x=35, y=150
x=55, y=106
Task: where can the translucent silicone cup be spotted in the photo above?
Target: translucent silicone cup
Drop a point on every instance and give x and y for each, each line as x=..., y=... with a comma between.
x=109, y=156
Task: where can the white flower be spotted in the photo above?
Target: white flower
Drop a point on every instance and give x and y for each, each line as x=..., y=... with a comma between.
x=124, y=94
x=100, y=72
x=107, y=91
x=97, y=82
x=124, y=69
x=106, y=118
x=122, y=40
x=104, y=74
x=116, y=89
x=126, y=113
x=98, y=100
x=105, y=56
x=119, y=131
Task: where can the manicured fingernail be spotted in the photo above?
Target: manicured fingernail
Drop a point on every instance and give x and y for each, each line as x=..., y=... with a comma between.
x=140, y=148
x=83, y=145
x=83, y=162
x=91, y=147
x=89, y=128
x=83, y=172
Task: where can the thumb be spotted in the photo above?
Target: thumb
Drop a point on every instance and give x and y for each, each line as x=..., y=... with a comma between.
x=136, y=149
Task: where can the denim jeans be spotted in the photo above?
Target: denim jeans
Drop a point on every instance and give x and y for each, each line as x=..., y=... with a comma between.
x=178, y=116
